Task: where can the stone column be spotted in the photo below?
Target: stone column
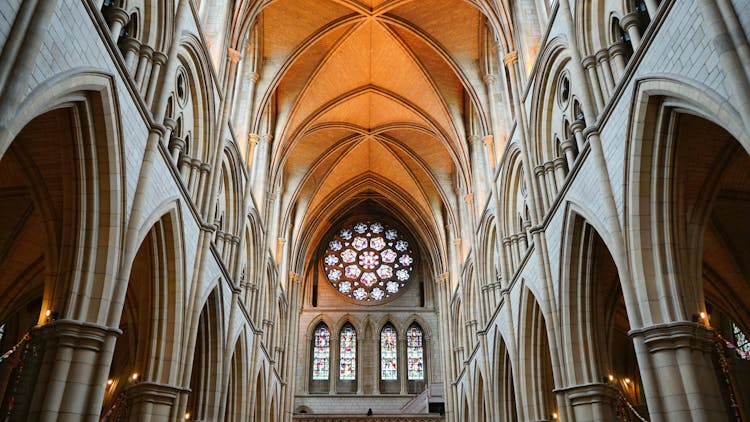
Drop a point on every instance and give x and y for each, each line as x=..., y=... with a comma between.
x=590, y=402
x=651, y=8
x=560, y=173
x=679, y=380
x=118, y=18
x=130, y=47
x=144, y=67
x=68, y=377
x=631, y=23
x=152, y=402
x=589, y=63
x=569, y=152
x=511, y=63
x=577, y=128
x=543, y=194
x=617, y=54
x=602, y=56
x=176, y=145
x=159, y=59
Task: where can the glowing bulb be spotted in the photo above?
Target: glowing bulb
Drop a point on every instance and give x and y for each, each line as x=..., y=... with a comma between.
x=187, y=415
x=134, y=377
x=703, y=315
x=48, y=313
x=611, y=377
x=554, y=415
x=627, y=380
x=110, y=381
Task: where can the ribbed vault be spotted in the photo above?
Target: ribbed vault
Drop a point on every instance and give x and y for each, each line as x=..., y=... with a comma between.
x=370, y=99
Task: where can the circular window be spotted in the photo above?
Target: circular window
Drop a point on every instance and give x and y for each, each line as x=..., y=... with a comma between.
x=563, y=90
x=368, y=262
x=181, y=87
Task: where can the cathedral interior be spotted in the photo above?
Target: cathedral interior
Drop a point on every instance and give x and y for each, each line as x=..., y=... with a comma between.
x=374, y=210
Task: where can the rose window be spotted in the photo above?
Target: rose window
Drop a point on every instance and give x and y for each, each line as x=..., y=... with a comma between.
x=368, y=261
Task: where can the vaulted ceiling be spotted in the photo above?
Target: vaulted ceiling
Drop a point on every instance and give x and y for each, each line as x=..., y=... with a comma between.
x=371, y=100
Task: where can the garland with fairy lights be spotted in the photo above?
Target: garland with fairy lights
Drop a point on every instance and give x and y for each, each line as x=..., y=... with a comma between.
x=720, y=346
x=27, y=347
x=119, y=409
x=623, y=404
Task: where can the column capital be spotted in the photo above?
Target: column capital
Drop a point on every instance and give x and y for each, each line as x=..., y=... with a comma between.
x=117, y=14
x=146, y=50
x=602, y=55
x=294, y=277
x=577, y=125
x=567, y=144
x=488, y=140
x=443, y=277
x=75, y=334
x=510, y=58
x=233, y=55
x=253, y=139
x=253, y=77
x=490, y=79
x=205, y=167
x=159, y=58
x=617, y=49
x=674, y=335
x=631, y=19
x=469, y=198
x=589, y=62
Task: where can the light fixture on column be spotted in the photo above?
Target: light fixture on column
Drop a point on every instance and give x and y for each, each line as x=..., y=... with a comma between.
x=110, y=382
x=134, y=377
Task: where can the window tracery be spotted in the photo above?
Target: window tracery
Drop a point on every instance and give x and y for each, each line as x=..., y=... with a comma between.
x=348, y=354
x=415, y=353
x=388, y=353
x=321, y=353
x=368, y=261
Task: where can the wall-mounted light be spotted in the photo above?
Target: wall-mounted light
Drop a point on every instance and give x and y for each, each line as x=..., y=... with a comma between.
x=134, y=377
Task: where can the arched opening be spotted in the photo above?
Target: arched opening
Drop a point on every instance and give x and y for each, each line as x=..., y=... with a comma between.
x=236, y=404
x=504, y=391
x=202, y=401
x=712, y=194
x=36, y=176
x=149, y=322
x=389, y=379
x=320, y=359
x=538, y=378
x=597, y=328
x=416, y=378
x=347, y=377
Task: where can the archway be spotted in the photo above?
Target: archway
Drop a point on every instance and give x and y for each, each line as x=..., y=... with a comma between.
x=601, y=365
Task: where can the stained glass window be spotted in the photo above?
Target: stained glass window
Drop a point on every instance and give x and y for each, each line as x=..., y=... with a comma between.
x=388, y=354
x=348, y=354
x=742, y=342
x=368, y=261
x=321, y=353
x=414, y=353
